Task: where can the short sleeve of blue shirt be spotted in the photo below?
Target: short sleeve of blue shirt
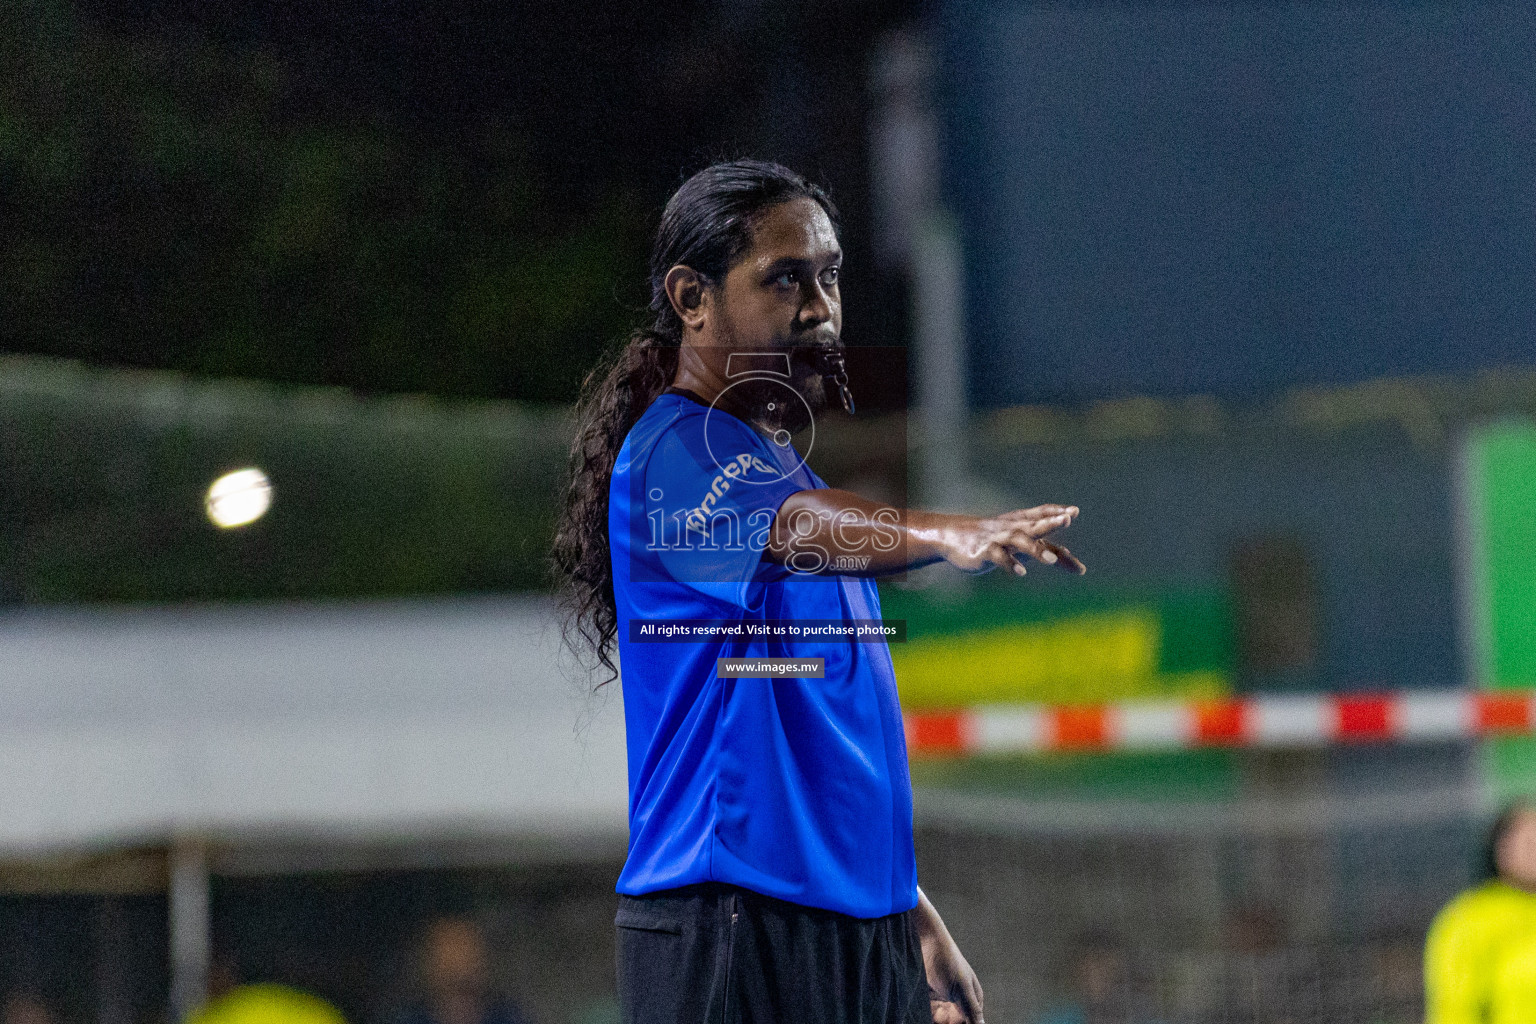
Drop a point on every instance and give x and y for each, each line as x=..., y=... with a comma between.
x=795, y=787
x=712, y=487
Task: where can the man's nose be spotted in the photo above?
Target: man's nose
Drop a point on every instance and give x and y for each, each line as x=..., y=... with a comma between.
x=816, y=304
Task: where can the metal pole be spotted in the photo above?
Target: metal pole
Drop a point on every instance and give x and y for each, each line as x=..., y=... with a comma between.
x=915, y=233
x=941, y=363
x=191, y=937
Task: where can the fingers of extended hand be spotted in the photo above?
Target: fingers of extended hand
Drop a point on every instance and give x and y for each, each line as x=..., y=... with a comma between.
x=1065, y=559
x=1021, y=539
x=999, y=553
x=1040, y=527
x=1041, y=512
x=1045, y=511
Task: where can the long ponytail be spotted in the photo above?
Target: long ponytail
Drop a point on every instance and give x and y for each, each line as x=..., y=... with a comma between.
x=614, y=396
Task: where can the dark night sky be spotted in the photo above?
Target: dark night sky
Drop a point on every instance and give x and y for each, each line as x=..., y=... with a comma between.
x=603, y=106
x=1168, y=197
x=593, y=85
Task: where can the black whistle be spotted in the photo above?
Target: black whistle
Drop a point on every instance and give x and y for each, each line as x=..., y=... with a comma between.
x=835, y=370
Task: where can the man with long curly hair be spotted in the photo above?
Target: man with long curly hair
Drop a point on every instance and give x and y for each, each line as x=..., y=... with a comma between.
x=770, y=874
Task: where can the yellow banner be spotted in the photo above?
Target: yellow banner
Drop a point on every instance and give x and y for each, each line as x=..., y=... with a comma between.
x=1084, y=659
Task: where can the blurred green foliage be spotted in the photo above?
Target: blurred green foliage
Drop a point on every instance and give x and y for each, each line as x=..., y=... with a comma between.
x=103, y=475
x=170, y=201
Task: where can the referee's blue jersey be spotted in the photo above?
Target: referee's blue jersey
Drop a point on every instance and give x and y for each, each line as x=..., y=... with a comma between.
x=796, y=788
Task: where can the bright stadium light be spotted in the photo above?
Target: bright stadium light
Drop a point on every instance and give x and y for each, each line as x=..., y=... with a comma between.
x=238, y=498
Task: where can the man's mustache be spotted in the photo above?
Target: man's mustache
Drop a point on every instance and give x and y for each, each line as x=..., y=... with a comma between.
x=813, y=344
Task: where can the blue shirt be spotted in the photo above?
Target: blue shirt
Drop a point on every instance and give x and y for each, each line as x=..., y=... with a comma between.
x=796, y=788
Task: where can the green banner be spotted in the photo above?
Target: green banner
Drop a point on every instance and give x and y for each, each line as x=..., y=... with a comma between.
x=1499, y=535
x=998, y=643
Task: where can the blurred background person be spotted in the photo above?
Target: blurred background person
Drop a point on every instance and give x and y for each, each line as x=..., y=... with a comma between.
x=455, y=974
x=1268, y=976
x=25, y=1007
x=1102, y=983
x=1396, y=973
x=1480, y=957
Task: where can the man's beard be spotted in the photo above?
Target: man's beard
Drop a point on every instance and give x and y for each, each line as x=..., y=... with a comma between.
x=777, y=404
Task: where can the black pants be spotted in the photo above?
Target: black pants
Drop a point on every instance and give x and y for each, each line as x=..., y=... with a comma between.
x=719, y=954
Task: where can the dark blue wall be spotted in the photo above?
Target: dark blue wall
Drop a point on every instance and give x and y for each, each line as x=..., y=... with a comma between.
x=1173, y=198
x=1373, y=510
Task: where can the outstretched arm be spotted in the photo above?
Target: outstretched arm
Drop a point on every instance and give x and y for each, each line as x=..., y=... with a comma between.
x=828, y=528
x=954, y=993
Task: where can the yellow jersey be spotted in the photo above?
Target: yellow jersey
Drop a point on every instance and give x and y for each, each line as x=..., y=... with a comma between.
x=1480, y=958
x=267, y=1004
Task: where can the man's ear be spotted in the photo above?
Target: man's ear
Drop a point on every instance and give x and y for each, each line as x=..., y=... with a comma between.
x=688, y=291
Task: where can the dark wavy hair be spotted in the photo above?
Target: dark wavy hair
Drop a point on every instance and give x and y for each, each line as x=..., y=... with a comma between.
x=706, y=225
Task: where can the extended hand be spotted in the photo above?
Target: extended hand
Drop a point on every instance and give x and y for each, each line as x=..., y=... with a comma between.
x=976, y=543
x=825, y=527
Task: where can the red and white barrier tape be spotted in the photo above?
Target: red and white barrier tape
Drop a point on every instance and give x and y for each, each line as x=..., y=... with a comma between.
x=1265, y=721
